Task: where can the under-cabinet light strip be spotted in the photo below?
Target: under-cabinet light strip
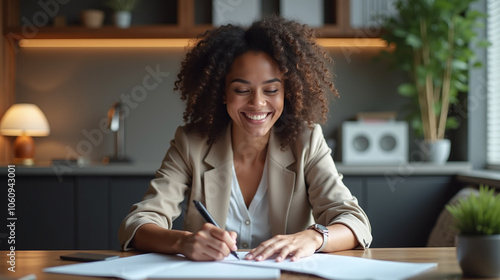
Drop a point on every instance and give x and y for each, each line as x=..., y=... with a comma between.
x=352, y=42
x=104, y=43
x=177, y=43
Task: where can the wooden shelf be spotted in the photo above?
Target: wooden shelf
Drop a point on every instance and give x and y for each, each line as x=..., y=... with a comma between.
x=148, y=32
x=110, y=32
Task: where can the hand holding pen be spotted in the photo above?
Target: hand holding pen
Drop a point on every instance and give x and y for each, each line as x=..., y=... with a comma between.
x=209, y=219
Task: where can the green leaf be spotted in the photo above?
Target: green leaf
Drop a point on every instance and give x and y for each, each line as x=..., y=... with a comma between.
x=452, y=123
x=458, y=64
x=399, y=32
x=459, y=85
x=473, y=14
x=414, y=41
x=407, y=90
x=483, y=44
x=122, y=5
x=462, y=77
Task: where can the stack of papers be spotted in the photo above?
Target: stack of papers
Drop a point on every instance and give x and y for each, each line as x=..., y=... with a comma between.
x=343, y=267
x=167, y=266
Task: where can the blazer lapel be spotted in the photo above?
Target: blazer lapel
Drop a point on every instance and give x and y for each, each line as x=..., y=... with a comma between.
x=217, y=181
x=281, y=184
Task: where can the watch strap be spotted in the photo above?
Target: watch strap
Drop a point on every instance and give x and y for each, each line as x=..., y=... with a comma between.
x=323, y=231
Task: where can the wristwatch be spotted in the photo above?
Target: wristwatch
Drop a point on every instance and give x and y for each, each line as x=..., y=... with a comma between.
x=322, y=230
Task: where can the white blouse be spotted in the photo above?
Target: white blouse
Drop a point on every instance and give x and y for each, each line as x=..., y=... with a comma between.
x=252, y=224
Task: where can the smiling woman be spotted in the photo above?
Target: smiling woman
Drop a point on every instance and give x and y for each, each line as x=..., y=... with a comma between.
x=252, y=152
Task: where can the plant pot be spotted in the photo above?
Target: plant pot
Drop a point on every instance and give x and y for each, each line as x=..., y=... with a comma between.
x=436, y=152
x=92, y=18
x=122, y=19
x=479, y=256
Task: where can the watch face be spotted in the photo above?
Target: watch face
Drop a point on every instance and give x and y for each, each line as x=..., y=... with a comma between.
x=321, y=227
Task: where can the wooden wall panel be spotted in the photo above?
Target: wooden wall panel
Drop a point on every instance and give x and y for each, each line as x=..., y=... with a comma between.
x=10, y=15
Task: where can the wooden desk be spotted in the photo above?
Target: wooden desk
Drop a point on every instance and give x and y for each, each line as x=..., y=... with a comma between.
x=33, y=262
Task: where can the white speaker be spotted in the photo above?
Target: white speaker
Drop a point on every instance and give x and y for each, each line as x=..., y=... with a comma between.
x=374, y=142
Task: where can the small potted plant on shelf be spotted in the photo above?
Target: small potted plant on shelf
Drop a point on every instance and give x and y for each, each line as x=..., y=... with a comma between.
x=431, y=42
x=122, y=11
x=478, y=242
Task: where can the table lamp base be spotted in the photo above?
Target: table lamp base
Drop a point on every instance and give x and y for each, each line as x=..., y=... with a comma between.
x=24, y=150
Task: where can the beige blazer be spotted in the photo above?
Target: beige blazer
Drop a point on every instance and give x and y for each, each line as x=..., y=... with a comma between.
x=304, y=187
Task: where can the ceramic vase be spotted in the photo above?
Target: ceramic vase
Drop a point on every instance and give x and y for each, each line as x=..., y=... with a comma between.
x=122, y=19
x=436, y=152
x=479, y=256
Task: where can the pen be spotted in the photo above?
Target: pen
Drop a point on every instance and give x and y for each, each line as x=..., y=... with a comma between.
x=208, y=218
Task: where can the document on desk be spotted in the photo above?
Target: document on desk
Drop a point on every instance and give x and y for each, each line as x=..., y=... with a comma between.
x=168, y=266
x=165, y=266
x=342, y=267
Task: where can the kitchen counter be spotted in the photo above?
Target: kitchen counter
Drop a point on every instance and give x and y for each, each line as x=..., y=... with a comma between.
x=146, y=169
x=114, y=169
x=406, y=169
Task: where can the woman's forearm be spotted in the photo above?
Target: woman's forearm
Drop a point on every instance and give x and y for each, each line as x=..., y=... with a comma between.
x=340, y=238
x=153, y=238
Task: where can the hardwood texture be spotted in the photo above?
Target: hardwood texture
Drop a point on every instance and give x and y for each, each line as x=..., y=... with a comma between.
x=33, y=262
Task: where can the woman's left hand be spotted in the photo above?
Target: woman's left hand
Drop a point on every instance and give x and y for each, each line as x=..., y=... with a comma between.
x=298, y=245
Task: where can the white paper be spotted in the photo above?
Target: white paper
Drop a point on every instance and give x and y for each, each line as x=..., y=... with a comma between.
x=342, y=267
x=218, y=270
x=168, y=266
x=136, y=267
x=164, y=266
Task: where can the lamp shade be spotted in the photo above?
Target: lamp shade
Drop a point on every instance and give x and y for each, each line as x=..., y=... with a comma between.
x=24, y=119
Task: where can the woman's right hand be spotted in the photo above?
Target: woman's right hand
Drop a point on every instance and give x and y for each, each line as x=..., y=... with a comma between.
x=209, y=243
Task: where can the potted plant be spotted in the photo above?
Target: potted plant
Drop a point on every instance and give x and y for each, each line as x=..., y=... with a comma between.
x=122, y=11
x=478, y=242
x=431, y=43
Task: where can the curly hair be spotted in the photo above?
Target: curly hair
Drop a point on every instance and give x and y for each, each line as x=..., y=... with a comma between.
x=303, y=64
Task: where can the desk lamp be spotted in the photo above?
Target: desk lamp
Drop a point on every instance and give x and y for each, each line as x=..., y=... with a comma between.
x=24, y=120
